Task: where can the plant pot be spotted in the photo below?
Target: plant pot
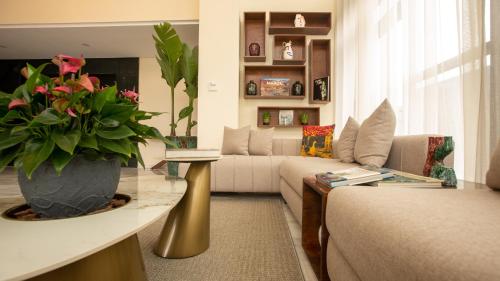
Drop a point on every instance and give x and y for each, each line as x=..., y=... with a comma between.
x=83, y=186
x=182, y=142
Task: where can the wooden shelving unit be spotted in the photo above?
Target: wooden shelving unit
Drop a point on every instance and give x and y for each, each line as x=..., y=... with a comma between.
x=313, y=113
x=318, y=23
x=298, y=46
x=256, y=72
x=255, y=32
x=319, y=66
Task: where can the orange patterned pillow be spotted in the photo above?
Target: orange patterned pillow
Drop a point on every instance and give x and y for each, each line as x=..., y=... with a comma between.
x=317, y=141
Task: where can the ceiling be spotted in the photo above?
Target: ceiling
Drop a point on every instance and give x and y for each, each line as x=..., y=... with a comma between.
x=91, y=41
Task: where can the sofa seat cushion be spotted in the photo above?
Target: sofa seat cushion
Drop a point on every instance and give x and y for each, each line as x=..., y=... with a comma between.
x=295, y=168
x=417, y=234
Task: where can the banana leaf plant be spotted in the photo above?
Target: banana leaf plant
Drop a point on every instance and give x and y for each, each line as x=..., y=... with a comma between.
x=169, y=51
x=189, y=70
x=55, y=119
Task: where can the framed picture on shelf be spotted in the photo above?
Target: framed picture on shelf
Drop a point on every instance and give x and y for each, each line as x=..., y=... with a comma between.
x=321, y=89
x=286, y=117
x=274, y=86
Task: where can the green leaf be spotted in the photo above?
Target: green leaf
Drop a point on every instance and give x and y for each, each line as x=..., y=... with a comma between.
x=110, y=123
x=67, y=141
x=49, y=117
x=7, y=155
x=7, y=139
x=60, y=159
x=189, y=65
x=119, y=146
x=118, y=112
x=35, y=152
x=34, y=77
x=17, y=129
x=185, y=112
x=137, y=153
x=88, y=141
x=108, y=94
x=118, y=133
x=10, y=116
x=22, y=92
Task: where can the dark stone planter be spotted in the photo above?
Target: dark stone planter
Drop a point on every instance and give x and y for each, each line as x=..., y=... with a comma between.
x=83, y=186
x=182, y=142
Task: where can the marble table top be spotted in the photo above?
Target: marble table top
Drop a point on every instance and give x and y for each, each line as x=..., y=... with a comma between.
x=30, y=248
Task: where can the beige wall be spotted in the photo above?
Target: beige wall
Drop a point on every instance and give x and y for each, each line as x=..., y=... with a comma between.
x=248, y=108
x=92, y=11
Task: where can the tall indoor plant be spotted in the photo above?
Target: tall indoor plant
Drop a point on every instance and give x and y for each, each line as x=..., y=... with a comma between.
x=67, y=137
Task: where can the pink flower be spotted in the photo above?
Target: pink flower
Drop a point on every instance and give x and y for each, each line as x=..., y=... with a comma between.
x=131, y=95
x=95, y=81
x=16, y=103
x=68, y=64
x=86, y=83
x=41, y=89
x=70, y=112
x=64, y=89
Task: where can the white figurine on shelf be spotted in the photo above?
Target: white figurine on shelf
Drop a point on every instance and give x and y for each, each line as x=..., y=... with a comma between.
x=287, y=50
x=300, y=21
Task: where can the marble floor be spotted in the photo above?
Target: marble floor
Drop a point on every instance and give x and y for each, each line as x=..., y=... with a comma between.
x=296, y=231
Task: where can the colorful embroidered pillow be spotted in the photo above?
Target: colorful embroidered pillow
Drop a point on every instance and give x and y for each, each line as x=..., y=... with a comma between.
x=317, y=141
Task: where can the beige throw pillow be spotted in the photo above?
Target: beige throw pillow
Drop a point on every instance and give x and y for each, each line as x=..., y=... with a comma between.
x=493, y=174
x=235, y=141
x=347, y=141
x=261, y=142
x=375, y=136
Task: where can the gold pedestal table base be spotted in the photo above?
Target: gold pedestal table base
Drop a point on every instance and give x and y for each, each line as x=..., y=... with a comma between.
x=186, y=232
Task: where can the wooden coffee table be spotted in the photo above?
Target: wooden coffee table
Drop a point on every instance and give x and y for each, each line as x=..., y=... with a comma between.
x=314, y=199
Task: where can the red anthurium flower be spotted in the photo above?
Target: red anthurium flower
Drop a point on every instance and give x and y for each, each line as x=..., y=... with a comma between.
x=64, y=89
x=71, y=112
x=41, y=89
x=60, y=104
x=68, y=64
x=86, y=83
x=95, y=81
x=131, y=95
x=17, y=103
x=24, y=72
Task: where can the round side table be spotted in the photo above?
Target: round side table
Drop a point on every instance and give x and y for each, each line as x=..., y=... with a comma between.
x=186, y=232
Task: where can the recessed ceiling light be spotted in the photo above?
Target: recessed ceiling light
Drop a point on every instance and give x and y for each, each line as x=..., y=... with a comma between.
x=3, y=46
x=86, y=45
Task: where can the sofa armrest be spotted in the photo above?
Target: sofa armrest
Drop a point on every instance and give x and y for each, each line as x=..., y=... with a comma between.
x=409, y=154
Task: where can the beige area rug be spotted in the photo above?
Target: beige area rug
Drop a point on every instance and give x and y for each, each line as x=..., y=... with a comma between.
x=250, y=240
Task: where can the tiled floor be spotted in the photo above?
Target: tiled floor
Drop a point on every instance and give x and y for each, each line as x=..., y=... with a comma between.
x=296, y=231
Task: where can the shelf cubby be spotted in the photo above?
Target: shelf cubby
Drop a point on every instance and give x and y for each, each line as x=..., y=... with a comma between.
x=298, y=47
x=313, y=113
x=319, y=66
x=255, y=32
x=317, y=23
x=256, y=72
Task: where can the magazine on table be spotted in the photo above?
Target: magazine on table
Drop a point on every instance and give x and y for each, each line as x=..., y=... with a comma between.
x=353, y=176
x=403, y=179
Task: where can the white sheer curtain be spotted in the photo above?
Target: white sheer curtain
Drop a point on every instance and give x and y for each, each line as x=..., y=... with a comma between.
x=429, y=58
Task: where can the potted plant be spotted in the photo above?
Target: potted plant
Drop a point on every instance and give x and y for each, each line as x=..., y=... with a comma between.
x=304, y=118
x=266, y=118
x=67, y=137
x=178, y=61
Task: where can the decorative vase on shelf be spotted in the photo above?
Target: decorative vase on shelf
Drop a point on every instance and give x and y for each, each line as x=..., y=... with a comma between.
x=287, y=50
x=304, y=119
x=266, y=118
x=251, y=88
x=254, y=49
x=297, y=89
x=299, y=21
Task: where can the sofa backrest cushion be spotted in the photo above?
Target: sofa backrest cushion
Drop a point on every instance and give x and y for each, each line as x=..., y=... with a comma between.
x=375, y=136
x=493, y=174
x=261, y=142
x=235, y=141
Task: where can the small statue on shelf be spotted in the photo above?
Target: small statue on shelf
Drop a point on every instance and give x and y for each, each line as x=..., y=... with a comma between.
x=254, y=49
x=299, y=21
x=287, y=50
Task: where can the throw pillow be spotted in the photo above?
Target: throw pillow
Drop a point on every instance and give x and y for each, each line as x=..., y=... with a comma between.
x=493, y=174
x=375, y=136
x=235, y=141
x=261, y=142
x=317, y=141
x=347, y=141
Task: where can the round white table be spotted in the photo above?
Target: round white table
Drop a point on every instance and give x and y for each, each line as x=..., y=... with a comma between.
x=101, y=246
